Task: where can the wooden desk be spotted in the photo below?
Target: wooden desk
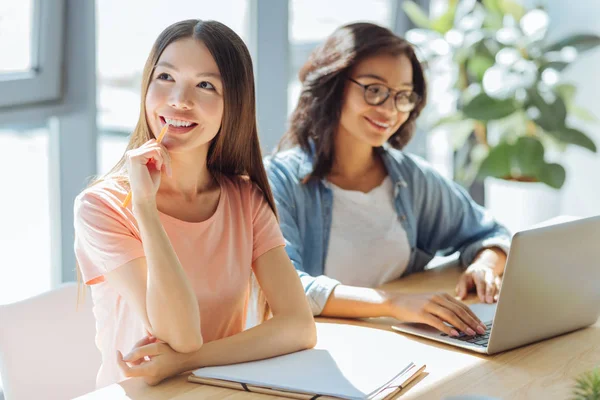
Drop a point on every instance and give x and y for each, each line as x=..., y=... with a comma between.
x=544, y=370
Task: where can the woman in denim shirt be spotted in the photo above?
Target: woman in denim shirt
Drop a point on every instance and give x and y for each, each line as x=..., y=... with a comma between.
x=355, y=210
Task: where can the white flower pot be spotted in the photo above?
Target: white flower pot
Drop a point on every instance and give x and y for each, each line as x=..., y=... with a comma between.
x=520, y=205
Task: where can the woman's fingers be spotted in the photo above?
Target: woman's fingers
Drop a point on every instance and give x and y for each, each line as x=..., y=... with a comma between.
x=163, y=156
x=479, y=285
x=463, y=306
x=498, y=282
x=142, y=342
x=464, y=285
x=145, y=155
x=448, y=315
x=437, y=323
x=148, y=350
x=492, y=286
x=490, y=292
x=455, y=313
x=487, y=285
x=145, y=369
x=153, y=153
x=465, y=314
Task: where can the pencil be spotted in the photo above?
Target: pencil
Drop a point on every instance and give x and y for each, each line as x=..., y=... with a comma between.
x=161, y=135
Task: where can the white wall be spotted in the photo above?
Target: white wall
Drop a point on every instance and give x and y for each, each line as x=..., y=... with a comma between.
x=581, y=193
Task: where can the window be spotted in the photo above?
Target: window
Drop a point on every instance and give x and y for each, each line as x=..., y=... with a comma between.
x=31, y=34
x=126, y=31
x=111, y=147
x=308, y=28
x=123, y=44
x=25, y=269
x=15, y=36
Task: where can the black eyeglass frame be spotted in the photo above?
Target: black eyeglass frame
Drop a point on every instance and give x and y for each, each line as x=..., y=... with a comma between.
x=409, y=107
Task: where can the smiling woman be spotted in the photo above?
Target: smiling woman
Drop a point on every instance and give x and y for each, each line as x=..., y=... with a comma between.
x=355, y=209
x=185, y=75
x=174, y=269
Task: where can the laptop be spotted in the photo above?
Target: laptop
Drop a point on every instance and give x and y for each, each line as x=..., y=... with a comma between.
x=551, y=286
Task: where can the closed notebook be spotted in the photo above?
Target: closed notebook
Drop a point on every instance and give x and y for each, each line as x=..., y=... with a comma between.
x=349, y=362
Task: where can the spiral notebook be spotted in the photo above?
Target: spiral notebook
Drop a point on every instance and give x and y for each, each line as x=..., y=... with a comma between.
x=349, y=362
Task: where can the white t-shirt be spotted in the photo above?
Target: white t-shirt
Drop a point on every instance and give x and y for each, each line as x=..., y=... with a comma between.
x=367, y=245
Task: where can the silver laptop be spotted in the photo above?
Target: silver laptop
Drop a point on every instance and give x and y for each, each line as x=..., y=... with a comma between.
x=551, y=286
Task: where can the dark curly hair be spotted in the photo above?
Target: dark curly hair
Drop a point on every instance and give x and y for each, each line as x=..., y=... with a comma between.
x=324, y=77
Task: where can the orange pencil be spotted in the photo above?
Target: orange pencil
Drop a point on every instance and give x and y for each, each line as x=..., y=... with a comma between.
x=161, y=135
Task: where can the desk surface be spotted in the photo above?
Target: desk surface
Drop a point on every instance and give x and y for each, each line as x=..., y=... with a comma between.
x=544, y=370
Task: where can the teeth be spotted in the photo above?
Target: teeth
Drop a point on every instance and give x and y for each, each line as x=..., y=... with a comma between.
x=176, y=122
x=380, y=124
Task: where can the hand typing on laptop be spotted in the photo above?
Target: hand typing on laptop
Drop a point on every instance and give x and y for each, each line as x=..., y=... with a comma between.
x=483, y=276
x=437, y=310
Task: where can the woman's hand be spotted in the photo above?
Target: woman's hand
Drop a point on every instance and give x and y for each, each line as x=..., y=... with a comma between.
x=482, y=277
x=437, y=310
x=154, y=361
x=144, y=165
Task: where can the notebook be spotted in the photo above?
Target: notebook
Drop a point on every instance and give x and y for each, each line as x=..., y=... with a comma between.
x=348, y=362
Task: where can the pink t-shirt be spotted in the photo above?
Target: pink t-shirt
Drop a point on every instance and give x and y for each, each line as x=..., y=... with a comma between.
x=216, y=254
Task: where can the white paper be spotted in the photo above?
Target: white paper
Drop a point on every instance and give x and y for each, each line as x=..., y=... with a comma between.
x=349, y=362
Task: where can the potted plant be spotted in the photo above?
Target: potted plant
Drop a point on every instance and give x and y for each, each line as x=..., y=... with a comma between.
x=587, y=386
x=512, y=115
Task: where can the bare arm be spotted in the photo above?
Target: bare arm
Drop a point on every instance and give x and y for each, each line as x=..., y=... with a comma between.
x=158, y=289
x=156, y=285
x=357, y=302
x=291, y=329
x=171, y=303
x=430, y=308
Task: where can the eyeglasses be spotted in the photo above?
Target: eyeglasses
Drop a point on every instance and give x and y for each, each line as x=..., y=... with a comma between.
x=376, y=94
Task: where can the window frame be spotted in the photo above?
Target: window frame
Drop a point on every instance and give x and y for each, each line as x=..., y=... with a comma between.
x=43, y=82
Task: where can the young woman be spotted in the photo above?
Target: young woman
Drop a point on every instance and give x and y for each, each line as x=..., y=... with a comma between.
x=355, y=210
x=172, y=270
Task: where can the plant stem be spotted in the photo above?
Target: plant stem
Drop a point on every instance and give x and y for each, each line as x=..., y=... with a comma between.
x=480, y=132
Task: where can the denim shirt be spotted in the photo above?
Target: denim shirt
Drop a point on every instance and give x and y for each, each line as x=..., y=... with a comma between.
x=438, y=215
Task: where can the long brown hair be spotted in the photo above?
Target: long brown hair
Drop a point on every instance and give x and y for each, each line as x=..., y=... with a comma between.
x=324, y=76
x=235, y=151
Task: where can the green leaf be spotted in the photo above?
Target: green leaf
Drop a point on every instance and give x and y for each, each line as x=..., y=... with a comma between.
x=478, y=64
x=448, y=119
x=588, y=385
x=497, y=162
x=528, y=156
x=552, y=116
x=553, y=175
x=512, y=8
x=493, y=6
x=484, y=108
x=493, y=21
x=567, y=91
x=416, y=14
x=574, y=136
x=580, y=42
x=445, y=22
x=557, y=65
x=583, y=114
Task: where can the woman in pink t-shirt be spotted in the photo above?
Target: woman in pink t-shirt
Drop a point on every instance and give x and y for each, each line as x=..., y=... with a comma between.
x=171, y=272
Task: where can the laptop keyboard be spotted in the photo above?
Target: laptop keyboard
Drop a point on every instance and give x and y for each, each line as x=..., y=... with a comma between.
x=479, y=340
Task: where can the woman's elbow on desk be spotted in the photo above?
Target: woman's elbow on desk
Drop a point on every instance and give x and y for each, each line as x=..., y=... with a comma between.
x=304, y=330
x=188, y=346
x=183, y=342
x=310, y=335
